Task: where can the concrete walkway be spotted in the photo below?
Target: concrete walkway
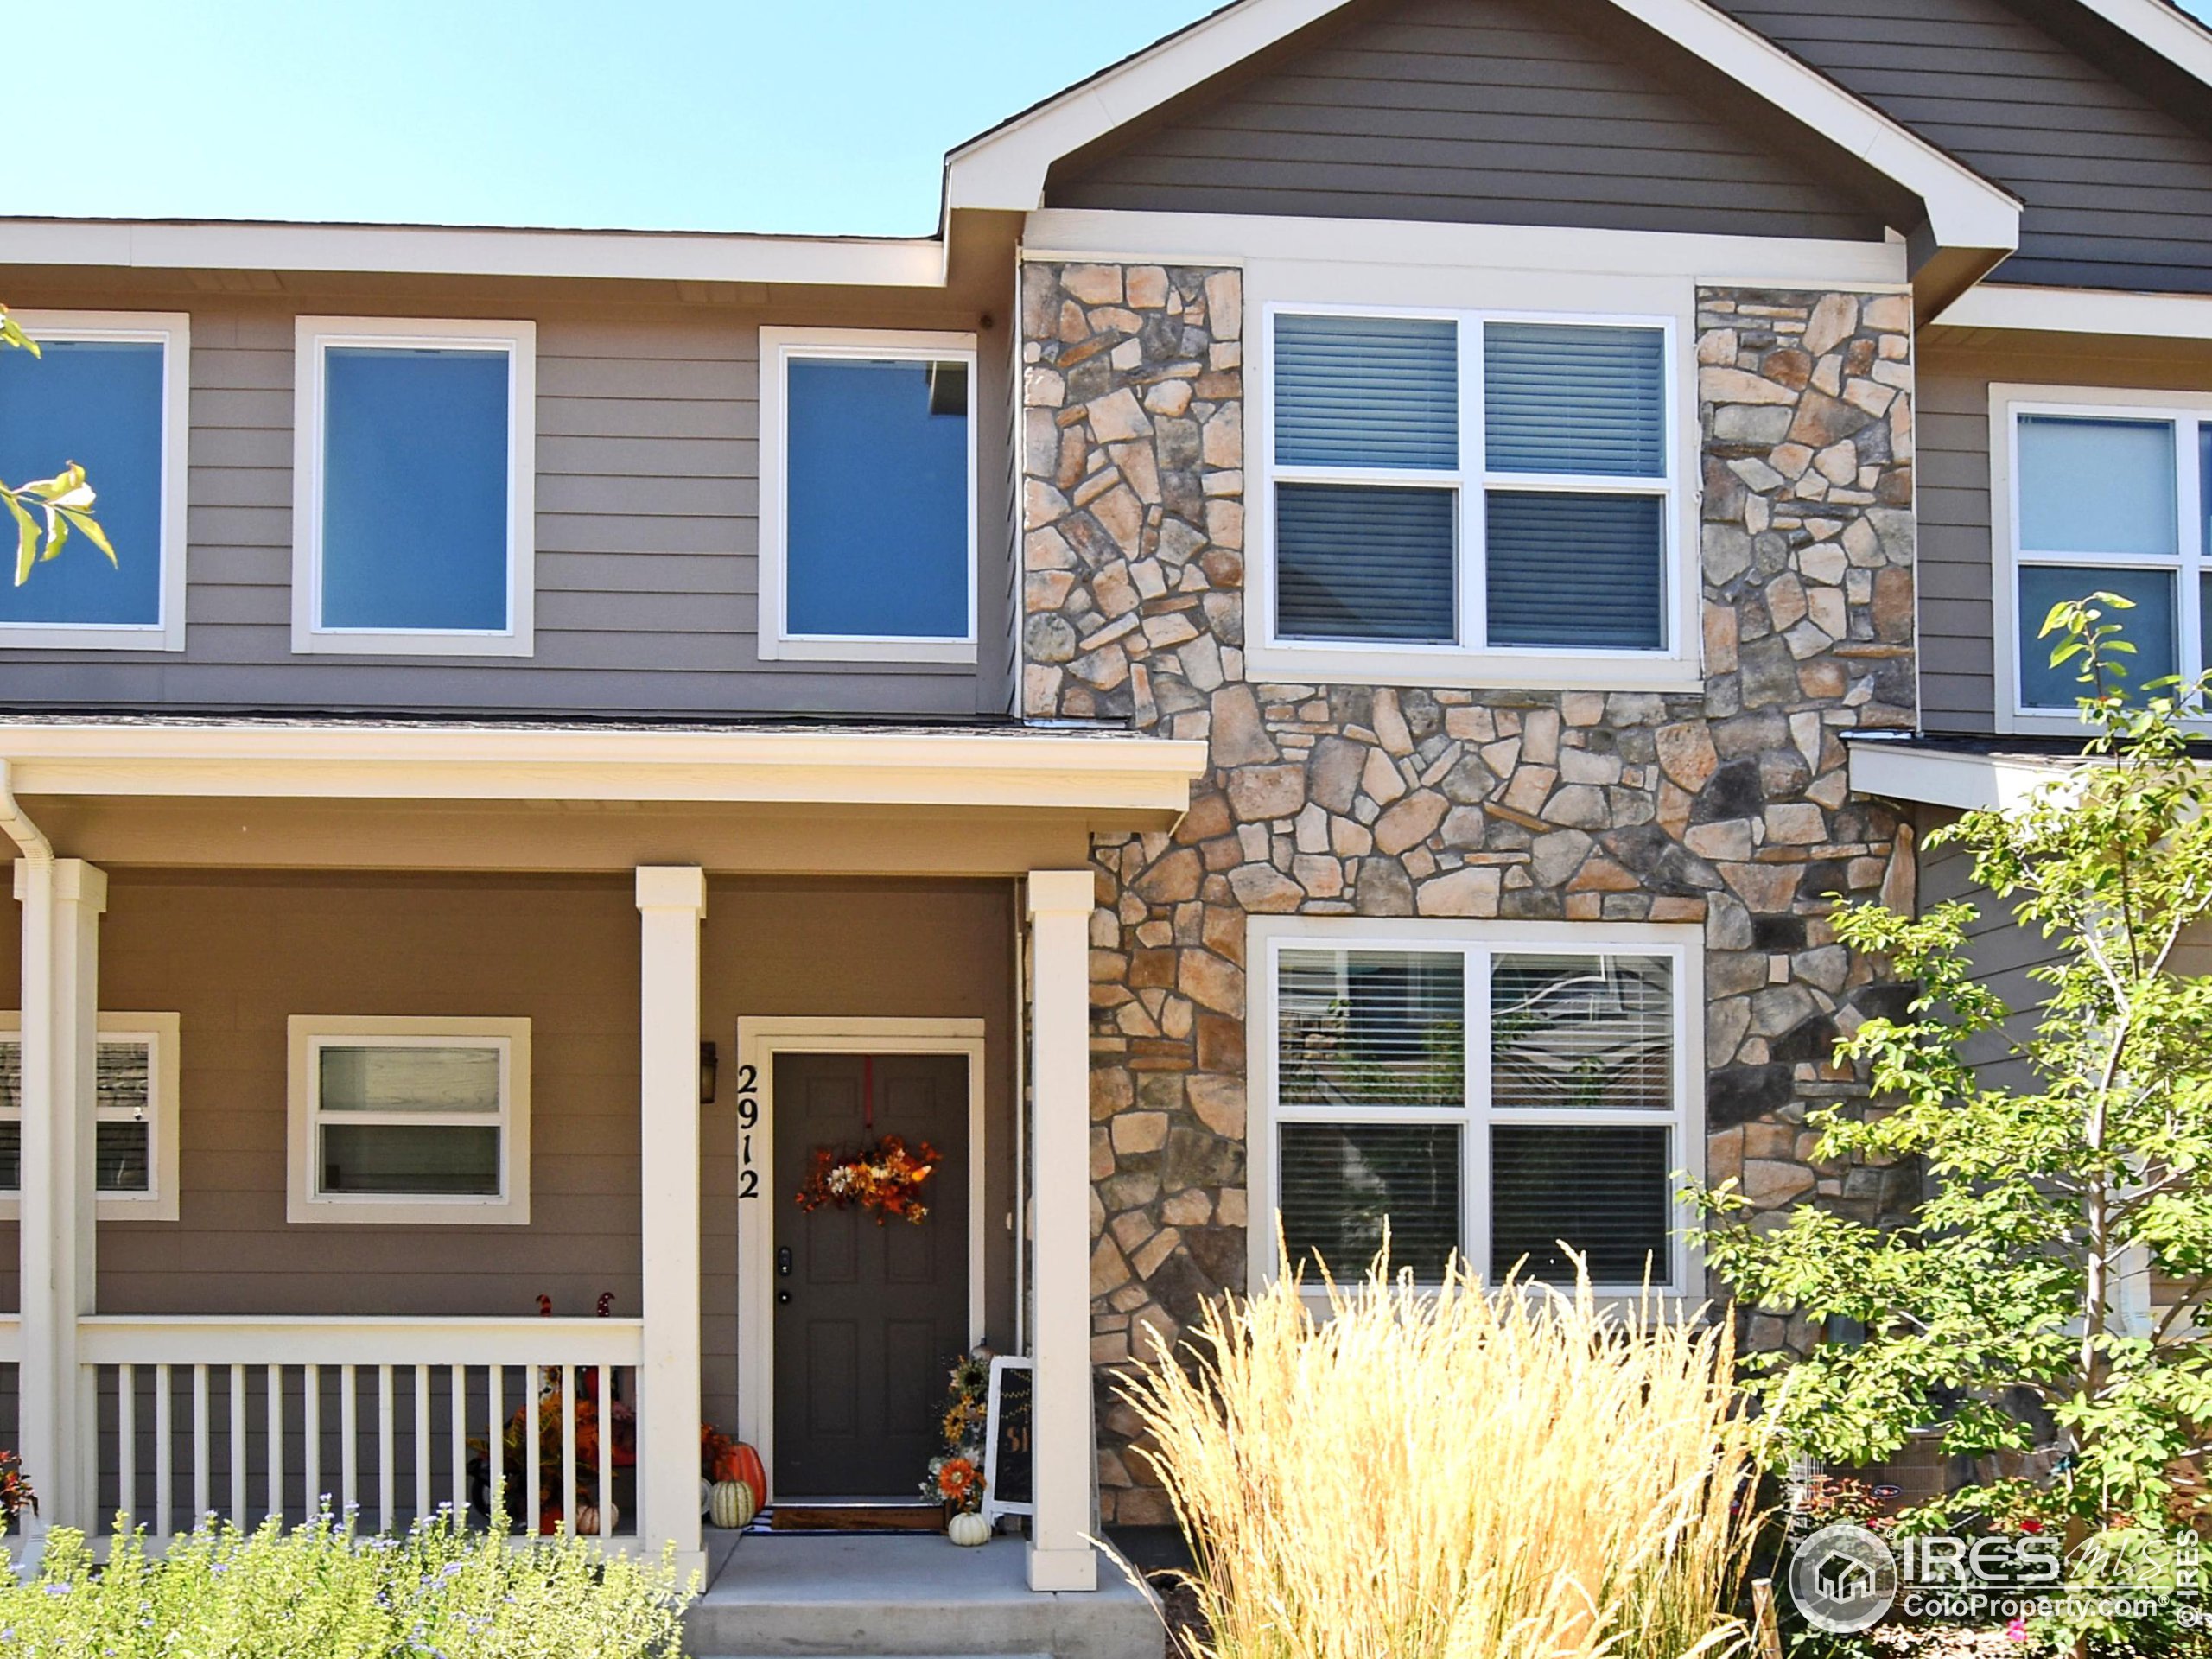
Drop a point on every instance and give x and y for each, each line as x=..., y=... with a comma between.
x=880, y=1594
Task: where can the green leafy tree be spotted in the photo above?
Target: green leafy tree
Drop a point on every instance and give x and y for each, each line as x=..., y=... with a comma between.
x=45, y=509
x=1998, y=1310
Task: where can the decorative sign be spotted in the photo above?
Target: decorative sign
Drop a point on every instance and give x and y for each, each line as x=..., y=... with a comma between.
x=1008, y=1469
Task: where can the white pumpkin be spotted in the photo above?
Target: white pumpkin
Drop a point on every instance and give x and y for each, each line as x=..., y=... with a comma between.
x=967, y=1530
x=587, y=1520
x=729, y=1504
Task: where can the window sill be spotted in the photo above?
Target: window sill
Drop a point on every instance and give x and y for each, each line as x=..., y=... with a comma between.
x=310, y=642
x=1474, y=671
x=113, y=1206
x=817, y=649
x=404, y=1212
x=74, y=636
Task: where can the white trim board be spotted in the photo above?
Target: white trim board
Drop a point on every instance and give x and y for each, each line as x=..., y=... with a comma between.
x=173, y=331
x=1954, y=778
x=760, y=1038
x=2081, y=311
x=1005, y=167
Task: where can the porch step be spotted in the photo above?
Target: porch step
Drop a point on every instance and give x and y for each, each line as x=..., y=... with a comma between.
x=883, y=1597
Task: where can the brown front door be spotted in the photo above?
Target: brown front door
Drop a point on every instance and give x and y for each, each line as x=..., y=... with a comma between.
x=867, y=1317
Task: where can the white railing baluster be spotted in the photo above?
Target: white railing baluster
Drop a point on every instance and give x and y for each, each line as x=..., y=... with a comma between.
x=349, y=1440
x=569, y=1449
x=311, y=1492
x=498, y=1438
x=88, y=1451
x=606, y=1411
x=387, y=1434
x=457, y=1421
x=164, y=1450
x=126, y=1445
x=238, y=1446
x=273, y=1436
x=422, y=1442
x=201, y=1474
x=532, y=1404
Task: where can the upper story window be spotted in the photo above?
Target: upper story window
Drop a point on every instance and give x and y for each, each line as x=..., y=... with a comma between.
x=134, y=1116
x=1496, y=1089
x=1460, y=495
x=108, y=391
x=410, y=1121
x=412, y=486
x=2101, y=491
x=867, y=496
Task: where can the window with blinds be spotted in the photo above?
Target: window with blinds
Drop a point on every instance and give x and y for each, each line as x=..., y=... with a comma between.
x=1453, y=480
x=134, y=1115
x=1520, y=1104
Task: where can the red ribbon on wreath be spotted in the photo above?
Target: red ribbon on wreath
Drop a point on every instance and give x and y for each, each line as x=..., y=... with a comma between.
x=885, y=1176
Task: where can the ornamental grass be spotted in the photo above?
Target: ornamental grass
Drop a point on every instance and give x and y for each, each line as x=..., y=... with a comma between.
x=1459, y=1473
x=437, y=1591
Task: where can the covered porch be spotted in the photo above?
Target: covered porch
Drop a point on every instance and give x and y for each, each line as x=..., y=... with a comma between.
x=587, y=908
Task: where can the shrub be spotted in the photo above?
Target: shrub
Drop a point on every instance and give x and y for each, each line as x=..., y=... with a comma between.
x=1516, y=1474
x=319, y=1593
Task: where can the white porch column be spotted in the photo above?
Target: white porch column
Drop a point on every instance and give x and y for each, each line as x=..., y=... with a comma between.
x=1064, y=1454
x=671, y=900
x=62, y=900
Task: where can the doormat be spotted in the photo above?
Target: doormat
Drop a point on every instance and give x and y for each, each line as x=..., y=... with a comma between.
x=856, y=1517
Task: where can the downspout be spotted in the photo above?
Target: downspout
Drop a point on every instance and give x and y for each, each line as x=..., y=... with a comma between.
x=37, y=850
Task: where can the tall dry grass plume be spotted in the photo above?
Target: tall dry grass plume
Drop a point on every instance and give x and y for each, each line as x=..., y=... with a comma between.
x=1455, y=1474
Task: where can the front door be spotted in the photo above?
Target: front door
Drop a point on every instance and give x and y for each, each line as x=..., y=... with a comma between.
x=867, y=1317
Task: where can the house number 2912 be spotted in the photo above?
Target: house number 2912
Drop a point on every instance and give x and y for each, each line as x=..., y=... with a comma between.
x=749, y=1119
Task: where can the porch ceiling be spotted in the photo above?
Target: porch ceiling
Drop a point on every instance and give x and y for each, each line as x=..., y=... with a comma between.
x=384, y=795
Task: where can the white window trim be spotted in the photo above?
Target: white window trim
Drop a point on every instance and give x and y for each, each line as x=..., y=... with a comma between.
x=2007, y=402
x=1674, y=666
x=778, y=346
x=312, y=336
x=172, y=331
x=307, y=1034
x=1682, y=945
x=160, y=1033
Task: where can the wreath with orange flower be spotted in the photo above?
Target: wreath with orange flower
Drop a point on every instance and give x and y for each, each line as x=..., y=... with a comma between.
x=886, y=1178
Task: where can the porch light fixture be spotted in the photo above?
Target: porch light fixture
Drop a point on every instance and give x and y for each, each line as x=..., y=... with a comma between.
x=706, y=1062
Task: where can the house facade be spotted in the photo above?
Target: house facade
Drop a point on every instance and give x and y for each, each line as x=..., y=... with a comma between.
x=1319, y=656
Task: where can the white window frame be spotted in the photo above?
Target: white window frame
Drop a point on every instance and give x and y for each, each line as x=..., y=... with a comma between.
x=1476, y=942
x=307, y=1034
x=172, y=331
x=2185, y=412
x=1471, y=661
x=159, y=1032
x=312, y=338
x=778, y=347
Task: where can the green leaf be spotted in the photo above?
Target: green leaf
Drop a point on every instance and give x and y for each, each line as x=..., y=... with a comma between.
x=88, y=527
x=26, y=537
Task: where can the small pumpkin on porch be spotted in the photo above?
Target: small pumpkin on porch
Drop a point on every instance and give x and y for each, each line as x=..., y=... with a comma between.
x=968, y=1529
x=587, y=1520
x=730, y=1504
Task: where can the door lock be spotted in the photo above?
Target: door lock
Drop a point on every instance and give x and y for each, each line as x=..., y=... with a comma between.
x=784, y=1262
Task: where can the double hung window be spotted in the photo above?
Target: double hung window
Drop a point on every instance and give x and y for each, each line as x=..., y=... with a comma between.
x=1516, y=1099
x=1462, y=484
x=135, y=1115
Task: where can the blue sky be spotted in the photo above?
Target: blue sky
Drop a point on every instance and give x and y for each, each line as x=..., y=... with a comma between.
x=828, y=115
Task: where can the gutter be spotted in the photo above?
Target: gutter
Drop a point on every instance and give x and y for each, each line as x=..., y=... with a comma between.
x=37, y=850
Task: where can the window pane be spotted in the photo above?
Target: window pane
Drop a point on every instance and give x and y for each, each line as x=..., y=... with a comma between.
x=431, y=1159
x=876, y=499
x=11, y=1156
x=1355, y=563
x=1371, y=1028
x=1340, y=1184
x=11, y=1073
x=415, y=489
x=124, y=1083
x=1593, y=1034
x=2149, y=627
x=2096, y=486
x=120, y=1161
x=97, y=403
x=1576, y=570
x=1603, y=1192
x=1367, y=391
x=1563, y=399
x=394, y=1079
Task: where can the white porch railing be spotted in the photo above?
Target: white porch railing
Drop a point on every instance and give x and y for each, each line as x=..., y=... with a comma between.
x=246, y=1418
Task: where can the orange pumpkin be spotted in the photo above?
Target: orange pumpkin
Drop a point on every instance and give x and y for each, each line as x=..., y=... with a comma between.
x=743, y=1462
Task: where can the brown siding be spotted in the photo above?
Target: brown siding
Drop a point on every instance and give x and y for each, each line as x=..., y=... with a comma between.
x=1488, y=111
x=648, y=523
x=1957, y=578
x=237, y=954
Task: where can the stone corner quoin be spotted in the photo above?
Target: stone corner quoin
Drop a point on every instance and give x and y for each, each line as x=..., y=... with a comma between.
x=1728, y=808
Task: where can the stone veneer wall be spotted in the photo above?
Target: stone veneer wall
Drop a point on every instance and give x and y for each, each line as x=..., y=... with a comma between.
x=1728, y=808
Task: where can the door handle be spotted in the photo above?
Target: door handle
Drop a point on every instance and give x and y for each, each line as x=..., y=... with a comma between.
x=784, y=1262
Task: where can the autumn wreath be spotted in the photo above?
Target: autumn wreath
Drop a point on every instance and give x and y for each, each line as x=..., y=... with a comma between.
x=886, y=1178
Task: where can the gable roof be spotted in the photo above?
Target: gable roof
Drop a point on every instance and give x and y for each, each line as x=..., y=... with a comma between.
x=1970, y=223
